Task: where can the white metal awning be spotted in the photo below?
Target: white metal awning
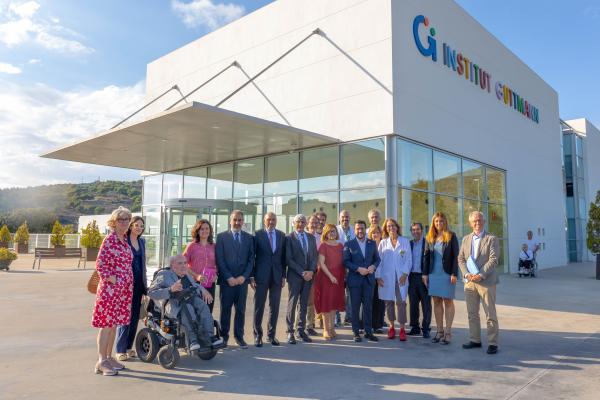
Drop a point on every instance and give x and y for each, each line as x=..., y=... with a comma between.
x=188, y=136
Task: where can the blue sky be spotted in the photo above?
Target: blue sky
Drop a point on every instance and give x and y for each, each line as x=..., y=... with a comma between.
x=72, y=68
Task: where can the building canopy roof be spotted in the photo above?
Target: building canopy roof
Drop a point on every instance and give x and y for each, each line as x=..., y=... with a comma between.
x=188, y=136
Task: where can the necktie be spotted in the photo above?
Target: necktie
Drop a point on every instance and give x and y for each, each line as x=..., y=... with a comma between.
x=236, y=237
x=303, y=241
x=347, y=234
x=272, y=240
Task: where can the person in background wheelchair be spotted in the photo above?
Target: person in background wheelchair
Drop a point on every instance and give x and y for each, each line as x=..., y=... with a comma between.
x=175, y=286
x=526, y=258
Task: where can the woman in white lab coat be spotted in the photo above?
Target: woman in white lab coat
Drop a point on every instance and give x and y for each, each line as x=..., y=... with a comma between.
x=392, y=275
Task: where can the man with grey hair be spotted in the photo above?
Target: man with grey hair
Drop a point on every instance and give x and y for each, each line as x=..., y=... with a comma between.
x=301, y=257
x=478, y=259
x=168, y=285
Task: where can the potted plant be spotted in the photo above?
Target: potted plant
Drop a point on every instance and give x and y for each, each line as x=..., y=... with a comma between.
x=91, y=240
x=6, y=257
x=593, y=232
x=57, y=239
x=5, y=237
x=22, y=238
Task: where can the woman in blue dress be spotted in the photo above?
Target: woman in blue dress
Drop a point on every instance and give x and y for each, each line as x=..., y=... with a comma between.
x=440, y=269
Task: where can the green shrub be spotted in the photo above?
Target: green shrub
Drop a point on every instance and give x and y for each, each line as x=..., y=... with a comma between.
x=6, y=254
x=90, y=236
x=58, y=234
x=22, y=234
x=5, y=234
x=593, y=226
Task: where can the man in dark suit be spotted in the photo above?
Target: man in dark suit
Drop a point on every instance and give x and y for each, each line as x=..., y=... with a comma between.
x=268, y=276
x=301, y=258
x=417, y=291
x=362, y=259
x=234, y=254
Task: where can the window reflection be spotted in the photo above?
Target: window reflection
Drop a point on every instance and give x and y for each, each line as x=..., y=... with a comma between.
x=446, y=172
x=313, y=202
x=415, y=166
x=359, y=202
x=285, y=207
x=219, y=181
x=495, y=185
x=363, y=164
x=152, y=189
x=281, y=174
x=172, y=186
x=451, y=207
x=473, y=180
x=194, y=183
x=319, y=169
x=248, y=178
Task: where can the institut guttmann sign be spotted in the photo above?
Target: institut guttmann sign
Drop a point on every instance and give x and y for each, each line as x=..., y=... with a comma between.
x=472, y=72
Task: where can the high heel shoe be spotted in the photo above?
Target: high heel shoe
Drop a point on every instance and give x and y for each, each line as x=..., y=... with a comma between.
x=447, y=338
x=104, y=368
x=438, y=336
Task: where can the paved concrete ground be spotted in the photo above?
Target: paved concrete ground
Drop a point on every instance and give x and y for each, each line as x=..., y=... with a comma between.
x=549, y=349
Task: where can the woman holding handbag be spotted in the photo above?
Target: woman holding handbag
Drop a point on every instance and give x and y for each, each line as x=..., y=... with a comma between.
x=126, y=333
x=115, y=290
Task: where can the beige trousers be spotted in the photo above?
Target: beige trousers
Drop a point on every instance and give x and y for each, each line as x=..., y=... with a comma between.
x=475, y=294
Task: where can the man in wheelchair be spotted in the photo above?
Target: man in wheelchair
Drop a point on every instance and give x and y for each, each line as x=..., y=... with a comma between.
x=526, y=258
x=174, y=287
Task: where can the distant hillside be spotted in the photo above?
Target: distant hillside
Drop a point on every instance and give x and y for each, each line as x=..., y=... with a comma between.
x=41, y=205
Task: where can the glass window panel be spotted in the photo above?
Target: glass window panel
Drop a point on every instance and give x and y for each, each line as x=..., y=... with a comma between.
x=578, y=146
x=253, y=213
x=414, y=166
x=468, y=207
x=194, y=183
x=363, y=164
x=567, y=148
x=414, y=207
x=319, y=169
x=313, y=202
x=568, y=167
x=502, y=257
x=496, y=220
x=579, y=167
x=248, y=178
x=570, y=207
x=496, y=190
x=359, y=202
x=152, y=221
x=285, y=207
x=582, y=208
x=152, y=189
x=282, y=174
x=219, y=181
x=472, y=179
x=450, y=206
x=446, y=172
x=172, y=186
x=572, y=229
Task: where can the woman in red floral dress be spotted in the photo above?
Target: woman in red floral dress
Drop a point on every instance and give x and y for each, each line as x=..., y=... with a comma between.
x=115, y=290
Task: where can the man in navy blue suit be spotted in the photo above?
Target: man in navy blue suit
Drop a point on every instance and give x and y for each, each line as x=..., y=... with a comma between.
x=361, y=258
x=234, y=254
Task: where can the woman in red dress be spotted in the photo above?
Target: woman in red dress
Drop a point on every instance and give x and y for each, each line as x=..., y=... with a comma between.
x=329, y=282
x=115, y=290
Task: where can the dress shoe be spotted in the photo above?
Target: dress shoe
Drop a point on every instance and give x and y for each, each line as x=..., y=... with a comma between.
x=426, y=335
x=291, y=338
x=241, y=343
x=402, y=335
x=391, y=332
x=274, y=341
x=378, y=330
x=357, y=338
x=371, y=337
x=258, y=342
x=492, y=349
x=304, y=337
x=312, y=332
x=414, y=332
x=471, y=345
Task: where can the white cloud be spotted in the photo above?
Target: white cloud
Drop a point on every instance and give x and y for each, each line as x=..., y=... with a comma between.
x=34, y=61
x=38, y=118
x=206, y=13
x=7, y=68
x=20, y=23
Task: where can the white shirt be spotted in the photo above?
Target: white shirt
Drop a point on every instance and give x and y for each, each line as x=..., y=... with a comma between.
x=532, y=244
x=476, y=240
x=526, y=255
x=363, y=246
x=342, y=234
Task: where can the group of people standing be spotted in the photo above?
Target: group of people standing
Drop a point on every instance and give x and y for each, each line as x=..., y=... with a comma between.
x=365, y=271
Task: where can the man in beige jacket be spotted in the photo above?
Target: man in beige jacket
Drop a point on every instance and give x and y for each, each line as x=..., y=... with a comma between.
x=484, y=249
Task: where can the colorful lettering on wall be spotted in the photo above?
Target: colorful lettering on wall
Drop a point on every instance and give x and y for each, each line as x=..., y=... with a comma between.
x=466, y=67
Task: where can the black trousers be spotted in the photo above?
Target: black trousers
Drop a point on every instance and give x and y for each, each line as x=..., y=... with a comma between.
x=417, y=293
x=362, y=295
x=212, y=291
x=273, y=290
x=126, y=333
x=378, y=309
x=298, y=291
x=233, y=296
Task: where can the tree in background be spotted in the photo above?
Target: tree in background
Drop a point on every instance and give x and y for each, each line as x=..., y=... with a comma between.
x=5, y=237
x=593, y=232
x=91, y=239
x=22, y=238
x=57, y=239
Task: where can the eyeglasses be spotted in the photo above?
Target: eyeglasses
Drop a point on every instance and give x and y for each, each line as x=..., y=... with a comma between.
x=123, y=219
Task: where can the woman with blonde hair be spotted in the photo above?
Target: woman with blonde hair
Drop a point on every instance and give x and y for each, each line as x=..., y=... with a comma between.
x=329, y=281
x=115, y=290
x=378, y=304
x=392, y=275
x=440, y=269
